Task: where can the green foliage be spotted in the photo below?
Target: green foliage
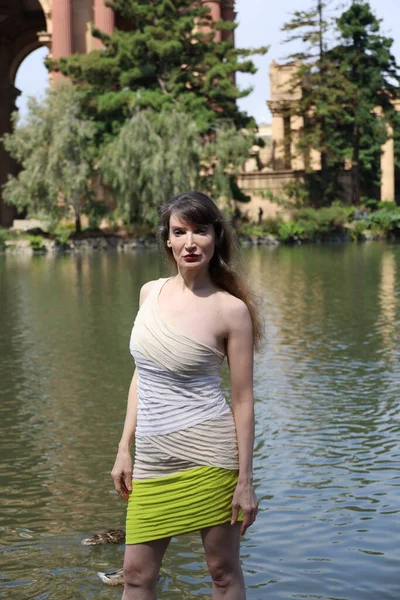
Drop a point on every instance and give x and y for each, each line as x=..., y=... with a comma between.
x=342, y=85
x=388, y=206
x=169, y=60
x=54, y=147
x=157, y=155
x=5, y=235
x=387, y=220
x=269, y=226
x=36, y=242
x=357, y=231
x=364, y=58
x=290, y=231
x=97, y=212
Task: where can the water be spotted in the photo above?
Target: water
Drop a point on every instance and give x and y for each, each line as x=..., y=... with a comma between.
x=327, y=460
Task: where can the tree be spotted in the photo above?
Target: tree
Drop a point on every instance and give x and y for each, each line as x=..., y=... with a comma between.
x=366, y=62
x=54, y=147
x=157, y=155
x=320, y=83
x=170, y=60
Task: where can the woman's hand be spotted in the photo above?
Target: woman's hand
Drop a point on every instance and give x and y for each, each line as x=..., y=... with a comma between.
x=122, y=473
x=244, y=498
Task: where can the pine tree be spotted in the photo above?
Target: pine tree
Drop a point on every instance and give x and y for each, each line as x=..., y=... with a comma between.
x=366, y=62
x=168, y=60
x=323, y=93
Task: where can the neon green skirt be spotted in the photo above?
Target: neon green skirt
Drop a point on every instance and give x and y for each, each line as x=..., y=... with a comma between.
x=175, y=504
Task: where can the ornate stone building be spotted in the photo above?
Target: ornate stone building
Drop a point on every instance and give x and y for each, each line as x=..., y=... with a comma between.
x=64, y=26
x=269, y=171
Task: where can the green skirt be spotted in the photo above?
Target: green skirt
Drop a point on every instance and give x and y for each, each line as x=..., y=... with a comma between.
x=175, y=504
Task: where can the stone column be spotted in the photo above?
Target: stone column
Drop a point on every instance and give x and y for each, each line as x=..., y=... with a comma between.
x=215, y=8
x=103, y=20
x=8, y=96
x=387, y=168
x=297, y=160
x=62, y=29
x=228, y=14
x=278, y=139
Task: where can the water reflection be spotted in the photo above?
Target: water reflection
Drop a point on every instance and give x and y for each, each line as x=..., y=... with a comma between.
x=327, y=454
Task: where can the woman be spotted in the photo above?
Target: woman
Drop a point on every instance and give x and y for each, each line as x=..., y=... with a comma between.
x=193, y=458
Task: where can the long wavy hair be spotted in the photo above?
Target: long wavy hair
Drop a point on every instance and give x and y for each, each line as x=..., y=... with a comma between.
x=225, y=268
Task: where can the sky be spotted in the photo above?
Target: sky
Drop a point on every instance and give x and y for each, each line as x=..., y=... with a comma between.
x=259, y=23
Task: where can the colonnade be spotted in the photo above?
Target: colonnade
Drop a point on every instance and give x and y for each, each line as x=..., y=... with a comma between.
x=286, y=127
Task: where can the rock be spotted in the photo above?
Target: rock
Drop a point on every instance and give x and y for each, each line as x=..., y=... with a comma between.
x=27, y=225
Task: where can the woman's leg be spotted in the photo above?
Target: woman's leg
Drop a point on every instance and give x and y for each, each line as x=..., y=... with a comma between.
x=222, y=548
x=142, y=564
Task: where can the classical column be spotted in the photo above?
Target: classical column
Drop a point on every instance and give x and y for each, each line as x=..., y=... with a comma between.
x=103, y=20
x=62, y=29
x=215, y=8
x=296, y=157
x=278, y=140
x=8, y=95
x=387, y=169
x=228, y=14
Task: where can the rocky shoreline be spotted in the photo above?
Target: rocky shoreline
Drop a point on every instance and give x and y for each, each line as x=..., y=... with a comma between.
x=110, y=242
x=106, y=243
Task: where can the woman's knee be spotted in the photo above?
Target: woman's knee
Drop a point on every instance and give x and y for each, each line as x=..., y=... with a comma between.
x=223, y=573
x=140, y=576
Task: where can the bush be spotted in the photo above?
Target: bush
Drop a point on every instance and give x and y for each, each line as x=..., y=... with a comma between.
x=36, y=241
x=6, y=234
x=388, y=206
x=356, y=230
x=387, y=220
x=290, y=232
x=319, y=224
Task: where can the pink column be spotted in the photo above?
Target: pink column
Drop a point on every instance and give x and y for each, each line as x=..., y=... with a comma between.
x=61, y=44
x=103, y=20
x=215, y=7
x=228, y=14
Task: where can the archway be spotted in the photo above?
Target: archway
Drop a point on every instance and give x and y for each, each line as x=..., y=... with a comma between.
x=32, y=78
x=20, y=23
x=64, y=27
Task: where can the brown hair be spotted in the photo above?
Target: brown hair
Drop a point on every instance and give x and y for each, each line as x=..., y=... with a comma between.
x=225, y=270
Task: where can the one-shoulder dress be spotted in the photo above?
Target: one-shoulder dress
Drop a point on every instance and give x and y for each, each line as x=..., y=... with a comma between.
x=186, y=459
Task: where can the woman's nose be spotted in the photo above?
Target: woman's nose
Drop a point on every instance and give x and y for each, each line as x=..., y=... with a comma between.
x=189, y=240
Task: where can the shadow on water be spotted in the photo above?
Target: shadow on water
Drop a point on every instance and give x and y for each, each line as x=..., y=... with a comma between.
x=327, y=411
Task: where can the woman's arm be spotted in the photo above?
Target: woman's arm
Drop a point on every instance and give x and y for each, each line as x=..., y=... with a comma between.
x=122, y=469
x=240, y=360
x=128, y=432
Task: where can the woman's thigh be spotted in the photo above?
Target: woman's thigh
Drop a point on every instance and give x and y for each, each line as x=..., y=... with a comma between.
x=222, y=547
x=142, y=562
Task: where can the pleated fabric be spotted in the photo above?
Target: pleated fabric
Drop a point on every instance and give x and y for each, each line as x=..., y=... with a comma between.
x=175, y=504
x=186, y=458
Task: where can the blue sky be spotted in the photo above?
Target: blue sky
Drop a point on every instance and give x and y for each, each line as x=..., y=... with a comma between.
x=259, y=25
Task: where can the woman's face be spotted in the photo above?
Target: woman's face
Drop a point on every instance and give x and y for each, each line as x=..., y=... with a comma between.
x=192, y=245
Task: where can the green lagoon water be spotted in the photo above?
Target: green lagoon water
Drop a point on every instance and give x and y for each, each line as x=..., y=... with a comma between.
x=327, y=457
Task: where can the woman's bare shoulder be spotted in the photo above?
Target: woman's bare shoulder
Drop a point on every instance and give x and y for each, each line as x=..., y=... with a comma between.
x=233, y=309
x=145, y=290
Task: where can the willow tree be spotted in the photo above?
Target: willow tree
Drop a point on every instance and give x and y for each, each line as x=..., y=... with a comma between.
x=54, y=149
x=157, y=155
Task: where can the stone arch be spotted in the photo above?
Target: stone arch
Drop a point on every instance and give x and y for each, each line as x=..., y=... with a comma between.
x=20, y=56
x=63, y=26
x=20, y=23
